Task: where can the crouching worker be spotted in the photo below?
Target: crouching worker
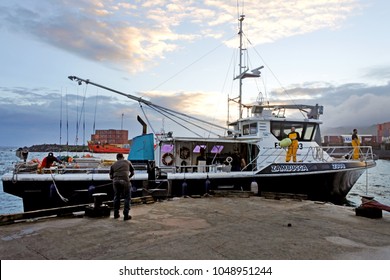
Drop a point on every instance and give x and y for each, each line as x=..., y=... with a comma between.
x=48, y=161
x=120, y=173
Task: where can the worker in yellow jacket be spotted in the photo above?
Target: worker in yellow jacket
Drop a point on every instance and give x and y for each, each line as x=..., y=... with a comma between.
x=293, y=148
x=355, y=144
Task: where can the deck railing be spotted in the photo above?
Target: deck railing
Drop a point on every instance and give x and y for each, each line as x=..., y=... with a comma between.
x=365, y=153
x=267, y=156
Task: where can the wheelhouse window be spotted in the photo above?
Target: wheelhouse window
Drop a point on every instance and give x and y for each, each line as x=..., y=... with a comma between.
x=250, y=129
x=198, y=147
x=306, y=130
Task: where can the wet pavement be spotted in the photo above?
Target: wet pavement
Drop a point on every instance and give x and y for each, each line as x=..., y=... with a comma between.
x=215, y=228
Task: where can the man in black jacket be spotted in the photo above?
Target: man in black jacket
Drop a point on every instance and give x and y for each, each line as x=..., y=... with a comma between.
x=120, y=173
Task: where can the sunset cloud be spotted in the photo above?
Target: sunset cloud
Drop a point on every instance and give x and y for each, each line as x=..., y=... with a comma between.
x=117, y=33
x=180, y=55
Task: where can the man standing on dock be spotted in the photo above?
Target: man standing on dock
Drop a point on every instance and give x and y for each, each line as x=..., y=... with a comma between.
x=121, y=172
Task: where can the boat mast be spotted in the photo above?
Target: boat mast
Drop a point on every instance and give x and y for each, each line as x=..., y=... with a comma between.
x=241, y=19
x=243, y=71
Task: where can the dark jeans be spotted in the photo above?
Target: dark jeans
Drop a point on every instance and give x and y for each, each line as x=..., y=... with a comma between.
x=122, y=187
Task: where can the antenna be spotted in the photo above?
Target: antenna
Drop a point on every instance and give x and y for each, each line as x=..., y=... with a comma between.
x=243, y=74
x=242, y=17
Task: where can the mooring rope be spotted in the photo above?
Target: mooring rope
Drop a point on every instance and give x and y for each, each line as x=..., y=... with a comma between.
x=55, y=186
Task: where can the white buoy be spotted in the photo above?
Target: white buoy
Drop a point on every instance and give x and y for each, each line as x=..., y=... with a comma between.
x=255, y=188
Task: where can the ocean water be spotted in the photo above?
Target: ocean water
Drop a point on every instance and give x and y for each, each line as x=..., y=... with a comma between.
x=10, y=204
x=374, y=182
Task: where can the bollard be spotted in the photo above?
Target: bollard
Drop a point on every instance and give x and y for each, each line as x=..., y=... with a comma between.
x=98, y=199
x=98, y=209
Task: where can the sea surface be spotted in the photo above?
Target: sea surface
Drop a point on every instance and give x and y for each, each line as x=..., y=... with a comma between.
x=374, y=182
x=10, y=204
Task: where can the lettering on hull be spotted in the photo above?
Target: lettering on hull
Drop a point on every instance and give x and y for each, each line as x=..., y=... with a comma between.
x=314, y=167
x=289, y=168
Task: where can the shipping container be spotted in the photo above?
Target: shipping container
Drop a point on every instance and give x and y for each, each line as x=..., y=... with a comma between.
x=383, y=132
x=110, y=136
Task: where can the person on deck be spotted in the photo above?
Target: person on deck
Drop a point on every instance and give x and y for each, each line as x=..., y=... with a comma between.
x=355, y=144
x=202, y=156
x=201, y=161
x=48, y=161
x=293, y=148
x=120, y=173
x=238, y=162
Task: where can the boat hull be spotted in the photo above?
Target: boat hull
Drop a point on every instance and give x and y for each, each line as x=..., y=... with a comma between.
x=107, y=149
x=43, y=191
x=322, y=186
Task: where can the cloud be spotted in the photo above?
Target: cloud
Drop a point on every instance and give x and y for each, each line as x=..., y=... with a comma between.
x=138, y=35
x=379, y=73
x=363, y=106
x=32, y=116
x=349, y=104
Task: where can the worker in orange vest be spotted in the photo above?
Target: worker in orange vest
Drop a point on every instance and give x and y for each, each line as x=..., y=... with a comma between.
x=355, y=144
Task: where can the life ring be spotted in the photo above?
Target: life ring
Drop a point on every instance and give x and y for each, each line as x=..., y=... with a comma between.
x=167, y=159
x=229, y=159
x=184, y=153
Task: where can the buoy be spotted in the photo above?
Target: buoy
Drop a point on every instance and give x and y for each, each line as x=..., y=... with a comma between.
x=184, y=188
x=285, y=142
x=207, y=185
x=91, y=190
x=254, y=187
x=52, y=190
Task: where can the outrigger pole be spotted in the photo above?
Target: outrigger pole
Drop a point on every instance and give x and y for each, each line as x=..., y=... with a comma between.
x=148, y=103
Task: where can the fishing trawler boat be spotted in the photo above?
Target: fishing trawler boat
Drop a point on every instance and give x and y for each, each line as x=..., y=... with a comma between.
x=249, y=154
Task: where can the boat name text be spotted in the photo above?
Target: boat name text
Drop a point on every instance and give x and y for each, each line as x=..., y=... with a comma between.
x=289, y=168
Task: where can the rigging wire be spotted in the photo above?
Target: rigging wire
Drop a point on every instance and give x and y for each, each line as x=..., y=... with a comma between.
x=238, y=8
x=168, y=113
x=176, y=74
x=77, y=116
x=61, y=119
x=67, y=120
x=82, y=114
x=94, y=116
x=83, y=123
x=273, y=74
x=188, y=66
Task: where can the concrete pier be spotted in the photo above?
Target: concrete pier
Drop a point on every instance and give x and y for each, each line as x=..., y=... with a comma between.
x=216, y=228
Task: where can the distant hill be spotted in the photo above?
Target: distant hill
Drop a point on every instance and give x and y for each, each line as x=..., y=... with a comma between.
x=57, y=148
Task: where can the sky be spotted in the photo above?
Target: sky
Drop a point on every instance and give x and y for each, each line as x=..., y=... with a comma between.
x=182, y=54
